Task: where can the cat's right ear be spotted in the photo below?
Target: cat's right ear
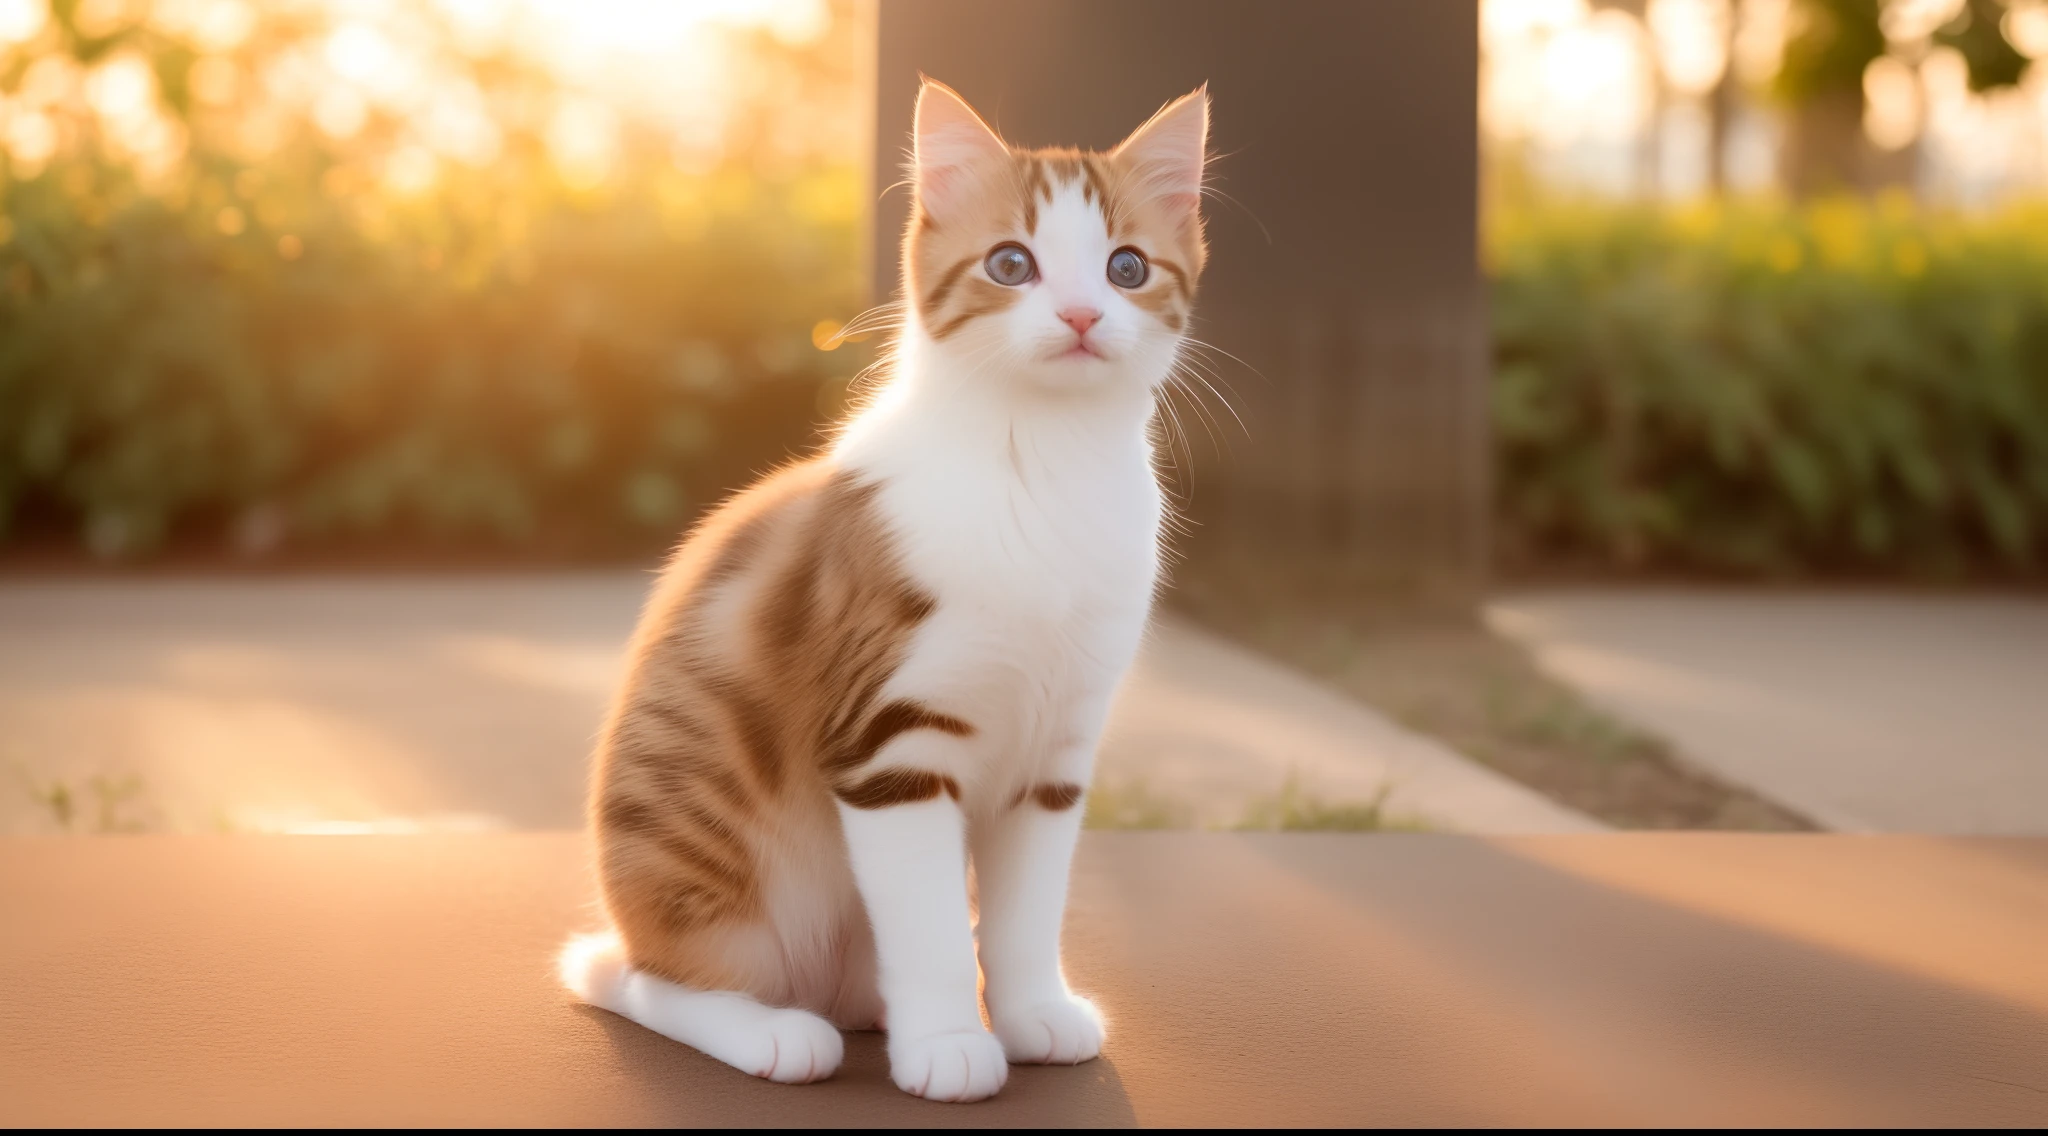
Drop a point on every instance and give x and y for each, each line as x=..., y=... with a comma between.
x=951, y=141
x=1168, y=153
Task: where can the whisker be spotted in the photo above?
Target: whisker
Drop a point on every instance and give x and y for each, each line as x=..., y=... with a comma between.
x=1191, y=365
x=1192, y=341
x=878, y=318
x=1176, y=382
x=1211, y=191
x=1218, y=395
x=1178, y=452
x=1212, y=377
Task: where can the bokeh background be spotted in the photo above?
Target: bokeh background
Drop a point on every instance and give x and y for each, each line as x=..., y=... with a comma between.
x=537, y=277
x=305, y=294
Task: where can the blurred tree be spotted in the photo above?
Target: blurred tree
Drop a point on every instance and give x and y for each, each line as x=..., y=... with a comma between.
x=1821, y=77
x=1833, y=44
x=1722, y=102
x=1977, y=32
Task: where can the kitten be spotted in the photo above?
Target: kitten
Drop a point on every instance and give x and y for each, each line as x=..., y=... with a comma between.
x=872, y=662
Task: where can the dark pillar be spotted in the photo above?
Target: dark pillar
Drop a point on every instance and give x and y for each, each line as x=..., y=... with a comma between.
x=1344, y=270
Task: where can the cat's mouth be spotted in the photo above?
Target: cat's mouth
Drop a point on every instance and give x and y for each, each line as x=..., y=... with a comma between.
x=1082, y=349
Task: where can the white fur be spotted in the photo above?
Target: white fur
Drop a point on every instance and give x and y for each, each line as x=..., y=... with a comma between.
x=791, y=1046
x=1021, y=859
x=912, y=872
x=1021, y=489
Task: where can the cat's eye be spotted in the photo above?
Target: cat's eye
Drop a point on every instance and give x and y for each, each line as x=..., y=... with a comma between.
x=1127, y=268
x=1010, y=265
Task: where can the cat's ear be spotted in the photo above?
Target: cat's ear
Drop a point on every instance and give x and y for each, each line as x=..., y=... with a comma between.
x=951, y=141
x=1166, y=154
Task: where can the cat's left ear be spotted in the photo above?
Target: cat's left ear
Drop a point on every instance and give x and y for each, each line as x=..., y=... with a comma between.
x=951, y=142
x=1167, y=153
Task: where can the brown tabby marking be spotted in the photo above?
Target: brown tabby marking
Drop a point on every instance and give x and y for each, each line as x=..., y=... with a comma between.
x=1052, y=796
x=900, y=787
x=752, y=699
x=937, y=296
x=897, y=717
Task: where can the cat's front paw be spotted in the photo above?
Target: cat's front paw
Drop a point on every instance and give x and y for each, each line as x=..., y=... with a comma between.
x=1066, y=1031
x=796, y=1048
x=965, y=1066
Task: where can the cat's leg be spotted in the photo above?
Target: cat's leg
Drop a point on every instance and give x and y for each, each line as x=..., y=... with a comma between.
x=1022, y=855
x=791, y=1046
x=906, y=838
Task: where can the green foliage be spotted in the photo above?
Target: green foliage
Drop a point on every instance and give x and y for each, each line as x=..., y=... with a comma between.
x=289, y=342
x=1756, y=389
x=1834, y=41
x=402, y=369
x=1978, y=33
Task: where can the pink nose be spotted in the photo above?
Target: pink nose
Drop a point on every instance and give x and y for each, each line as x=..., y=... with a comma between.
x=1080, y=319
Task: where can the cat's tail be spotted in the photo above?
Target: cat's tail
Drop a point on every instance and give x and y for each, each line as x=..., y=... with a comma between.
x=594, y=968
x=779, y=1044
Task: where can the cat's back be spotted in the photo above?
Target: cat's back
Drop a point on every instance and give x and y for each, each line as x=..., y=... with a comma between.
x=804, y=543
x=760, y=645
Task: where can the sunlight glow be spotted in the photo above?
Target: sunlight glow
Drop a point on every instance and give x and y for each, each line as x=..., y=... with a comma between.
x=1557, y=71
x=212, y=25
x=1620, y=99
x=1904, y=21
x=20, y=20
x=1891, y=110
x=121, y=88
x=1594, y=77
x=1760, y=31
x=2026, y=25
x=1505, y=21
x=1691, y=38
x=289, y=825
x=583, y=139
x=661, y=62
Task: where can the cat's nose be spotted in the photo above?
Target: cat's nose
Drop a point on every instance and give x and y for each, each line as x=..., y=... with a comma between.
x=1080, y=319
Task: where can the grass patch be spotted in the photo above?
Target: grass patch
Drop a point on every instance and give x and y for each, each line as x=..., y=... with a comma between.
x=1134, y=805
x=1294, y=809
x=102, y=804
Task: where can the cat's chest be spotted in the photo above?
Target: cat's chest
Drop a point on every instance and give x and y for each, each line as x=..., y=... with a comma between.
x=1043, y=588
x=1032, y=550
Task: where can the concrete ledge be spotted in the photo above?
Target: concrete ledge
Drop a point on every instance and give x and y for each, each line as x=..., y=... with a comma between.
x=1249, y=979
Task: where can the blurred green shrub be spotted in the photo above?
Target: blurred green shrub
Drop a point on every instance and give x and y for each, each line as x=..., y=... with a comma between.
x=1757, y=389
x=302, y=339
x=258, y=361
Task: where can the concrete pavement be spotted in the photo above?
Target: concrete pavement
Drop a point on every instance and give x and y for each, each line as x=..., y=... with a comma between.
x=1867, y=711
x=1260, y=980
x=453, y=702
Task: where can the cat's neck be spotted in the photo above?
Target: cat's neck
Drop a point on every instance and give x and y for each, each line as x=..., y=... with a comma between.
x=931, y=402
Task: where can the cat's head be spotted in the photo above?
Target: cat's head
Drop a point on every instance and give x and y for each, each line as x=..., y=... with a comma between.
x=1055, y=267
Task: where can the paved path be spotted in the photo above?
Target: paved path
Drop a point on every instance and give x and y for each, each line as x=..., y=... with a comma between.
x=1866, y=711
x=468, y=702
x=1261, y=980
